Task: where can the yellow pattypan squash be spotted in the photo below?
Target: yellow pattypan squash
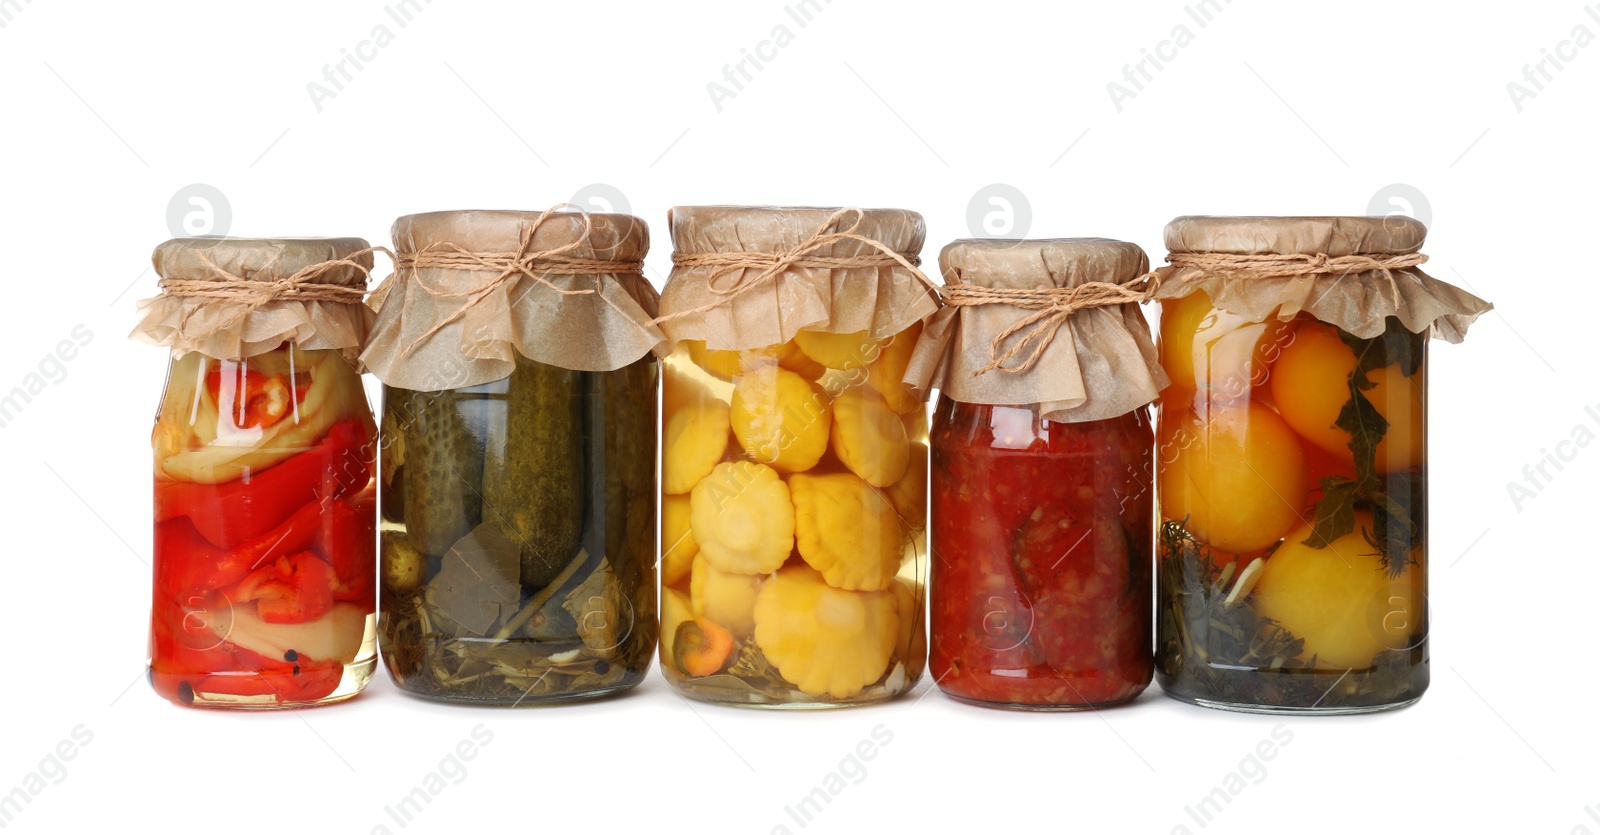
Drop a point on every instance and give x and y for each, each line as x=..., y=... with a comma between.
x=839, y=350
x=910, y=494
x=781, y=419
x=742, y=518
x=823, y=640
x=884, y=374
x=847, y=530
x=911, y=645
x=694, y=442
x=678, y=547
x=729, y=600
x=869, y=438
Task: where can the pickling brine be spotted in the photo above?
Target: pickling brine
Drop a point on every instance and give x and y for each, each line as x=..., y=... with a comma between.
x=1293, y=484
x=1293, y=462
x=517, y=459
x=516, y=535
x=794, y=456
x=264, y=514
x=794, y=483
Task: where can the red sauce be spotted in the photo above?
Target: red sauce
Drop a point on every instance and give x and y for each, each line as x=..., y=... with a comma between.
x=1041, y=572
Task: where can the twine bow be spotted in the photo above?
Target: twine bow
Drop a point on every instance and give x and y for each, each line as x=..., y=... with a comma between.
x=1052, y=307
x=1295, y=264
x=771, y=265
x=303, y=285
x=509, y=267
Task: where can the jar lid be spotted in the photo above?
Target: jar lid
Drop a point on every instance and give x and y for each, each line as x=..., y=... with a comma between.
x=611, y=237
x=1351, y=272
x=704, y=229
x=750, y=276
x=1047, y=262
x=1336, y=237
x=215, y=258
x=474, y=289
x=1076, y=359
x=267, y=291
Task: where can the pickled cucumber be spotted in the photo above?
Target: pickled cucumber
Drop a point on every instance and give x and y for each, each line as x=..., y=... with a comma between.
x=444, y=465
x=623, y=423
x=533, y=482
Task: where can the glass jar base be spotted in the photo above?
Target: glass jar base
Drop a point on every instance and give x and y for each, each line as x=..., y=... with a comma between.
x=1027, y=708
x=1289, y=710
x=355, y=678
x=773, y=704
x=545, y=700
x=761, y=701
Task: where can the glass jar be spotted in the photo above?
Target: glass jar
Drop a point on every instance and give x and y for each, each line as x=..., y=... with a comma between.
x=264, y=504
x=517, y=533
x=1041, y=596
x=1293, y=463
x=1043, y=507
x=794, y=489
x=792, y=538
x=518, y=494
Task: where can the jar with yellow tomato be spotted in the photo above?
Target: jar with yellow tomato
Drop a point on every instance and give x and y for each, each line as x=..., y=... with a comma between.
x=794, y=457
x=1292, y=461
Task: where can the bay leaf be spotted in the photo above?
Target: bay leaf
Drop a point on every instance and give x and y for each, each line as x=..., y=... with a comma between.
x=603, y=617
x=478, y=582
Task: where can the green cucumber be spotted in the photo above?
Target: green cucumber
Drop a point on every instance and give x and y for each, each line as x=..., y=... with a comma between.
x=444, y=465
x=533, y=477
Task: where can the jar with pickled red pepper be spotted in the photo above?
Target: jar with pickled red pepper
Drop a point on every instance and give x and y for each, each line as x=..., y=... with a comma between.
x=263, y=451
x=516, y=467
x=1042, y=474
x=794, y=457
x=1293, y=461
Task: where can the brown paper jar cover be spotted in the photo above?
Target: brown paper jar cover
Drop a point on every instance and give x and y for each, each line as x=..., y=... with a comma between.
x=1357, y=303
x=1101, y=362
x=881, y=299
x=234, y=329
x=602, y=323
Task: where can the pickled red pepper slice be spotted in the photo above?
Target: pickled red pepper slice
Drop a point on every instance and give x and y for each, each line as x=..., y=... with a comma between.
x=235, y=512
x=292, y=589
x=335, y=529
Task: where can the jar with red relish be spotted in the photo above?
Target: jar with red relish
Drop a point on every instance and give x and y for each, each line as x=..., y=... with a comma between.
x=1042, y=446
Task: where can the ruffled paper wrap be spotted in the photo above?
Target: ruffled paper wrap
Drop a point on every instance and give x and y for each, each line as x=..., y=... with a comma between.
x=601, y=330
x=1101, y=362
x=881, y=300
x=227, y=329
x=1357, y=303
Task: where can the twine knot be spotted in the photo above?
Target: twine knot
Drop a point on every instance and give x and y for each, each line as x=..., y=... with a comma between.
x=1052, y=307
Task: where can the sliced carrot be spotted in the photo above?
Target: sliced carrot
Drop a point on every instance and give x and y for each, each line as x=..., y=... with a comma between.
x=702, y=647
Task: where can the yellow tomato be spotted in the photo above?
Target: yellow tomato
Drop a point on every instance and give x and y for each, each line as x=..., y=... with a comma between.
x=1238, y=474
x=1207, y=349
x=1338, y=599
x=1311, y=384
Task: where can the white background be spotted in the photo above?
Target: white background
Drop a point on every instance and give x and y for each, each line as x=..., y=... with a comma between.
x=110, y=109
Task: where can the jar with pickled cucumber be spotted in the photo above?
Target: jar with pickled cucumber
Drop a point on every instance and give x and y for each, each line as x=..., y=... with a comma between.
x=516, y=465
x=794, y=459
x=263, y=459
x=1293, y=462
